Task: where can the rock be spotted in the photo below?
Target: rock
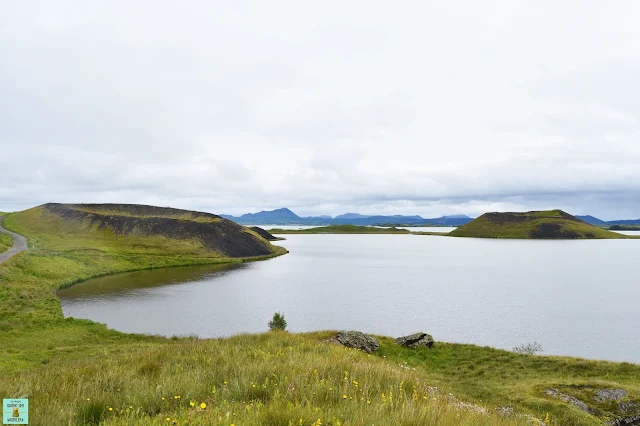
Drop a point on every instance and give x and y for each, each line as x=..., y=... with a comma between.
x=629, y=407
x=570, y=399
x=604, y=395
x=358, y=340
x=630, y=412
x=416, y=340
x=506, y=411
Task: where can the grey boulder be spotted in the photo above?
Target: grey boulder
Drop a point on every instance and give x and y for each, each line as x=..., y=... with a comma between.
x=416, y=340
x=358, y=340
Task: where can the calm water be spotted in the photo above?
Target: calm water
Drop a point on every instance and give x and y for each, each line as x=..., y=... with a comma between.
x=579, y=298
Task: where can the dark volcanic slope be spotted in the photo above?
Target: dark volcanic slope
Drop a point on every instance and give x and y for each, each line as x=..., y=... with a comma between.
x=264, y=234
x=220, y=235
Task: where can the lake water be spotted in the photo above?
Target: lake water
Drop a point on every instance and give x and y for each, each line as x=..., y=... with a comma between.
x=578, y=298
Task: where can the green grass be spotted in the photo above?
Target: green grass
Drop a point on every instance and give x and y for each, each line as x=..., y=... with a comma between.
x=526, y=225
x=499, y=378
x=113, y=211
x=341, y=229
x=6, y=241
x=274, y=378
x=74, y=370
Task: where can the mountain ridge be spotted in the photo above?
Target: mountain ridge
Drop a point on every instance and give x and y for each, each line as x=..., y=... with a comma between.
x=285, y=216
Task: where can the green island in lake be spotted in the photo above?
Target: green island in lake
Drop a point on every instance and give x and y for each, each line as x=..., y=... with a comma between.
x=550, y=224
x=79, y=372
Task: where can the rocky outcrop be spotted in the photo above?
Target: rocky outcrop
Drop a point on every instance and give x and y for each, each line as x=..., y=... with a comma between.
x=569, y=399
x=416, y=340
x=604, y=395
x=358, y=340
x=508, y=411
x=602, y=405
x=629, y=414
x=264, y=234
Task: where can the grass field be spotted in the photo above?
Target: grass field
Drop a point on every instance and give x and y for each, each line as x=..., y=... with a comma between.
x=78, y=372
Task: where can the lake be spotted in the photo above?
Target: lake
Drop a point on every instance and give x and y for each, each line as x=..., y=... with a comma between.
x=578, y=298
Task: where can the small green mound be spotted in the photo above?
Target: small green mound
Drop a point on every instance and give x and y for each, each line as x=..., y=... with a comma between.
x=342, y=229
x=552, y=224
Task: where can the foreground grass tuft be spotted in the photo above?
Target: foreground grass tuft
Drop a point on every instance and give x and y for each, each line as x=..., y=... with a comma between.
x=270, y=379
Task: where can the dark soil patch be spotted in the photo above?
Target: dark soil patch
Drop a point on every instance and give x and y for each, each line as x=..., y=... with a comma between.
x=553, y=230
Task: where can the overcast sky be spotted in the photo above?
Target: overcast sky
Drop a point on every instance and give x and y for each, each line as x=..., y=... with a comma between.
x=326, y=107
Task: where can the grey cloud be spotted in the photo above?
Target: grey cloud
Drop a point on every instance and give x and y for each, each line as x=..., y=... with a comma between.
x=232, y=107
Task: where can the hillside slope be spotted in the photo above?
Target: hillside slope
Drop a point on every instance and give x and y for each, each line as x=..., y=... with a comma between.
x=551, y=224
x=137, y=229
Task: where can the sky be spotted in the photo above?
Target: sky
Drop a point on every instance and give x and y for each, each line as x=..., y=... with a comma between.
x=325, y=107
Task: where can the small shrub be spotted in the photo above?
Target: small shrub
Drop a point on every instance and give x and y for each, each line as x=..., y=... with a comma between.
x=278, y=322
x=530, y=348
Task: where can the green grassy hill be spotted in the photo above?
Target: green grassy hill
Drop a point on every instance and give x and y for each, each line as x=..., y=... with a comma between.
x=137, y=229
x=78, y=372
x=552, y=224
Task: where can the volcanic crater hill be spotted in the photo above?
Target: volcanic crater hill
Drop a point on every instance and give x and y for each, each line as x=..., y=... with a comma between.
x=551, y=224
x=141, y=227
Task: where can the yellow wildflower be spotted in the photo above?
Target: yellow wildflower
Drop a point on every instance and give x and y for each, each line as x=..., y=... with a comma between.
x=344, y=396
x=203, y=405
x=110, y=409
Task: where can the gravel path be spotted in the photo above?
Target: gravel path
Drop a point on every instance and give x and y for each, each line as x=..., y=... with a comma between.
x=19, y=244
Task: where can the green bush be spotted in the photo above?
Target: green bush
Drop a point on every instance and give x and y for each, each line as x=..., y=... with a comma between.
x=278, y=322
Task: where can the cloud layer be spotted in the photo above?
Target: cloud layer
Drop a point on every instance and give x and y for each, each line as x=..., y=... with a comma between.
x=325, y=107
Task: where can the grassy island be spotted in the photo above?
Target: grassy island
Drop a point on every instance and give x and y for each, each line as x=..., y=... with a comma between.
x=342, y=229
x=551, y=224
x=78, y=372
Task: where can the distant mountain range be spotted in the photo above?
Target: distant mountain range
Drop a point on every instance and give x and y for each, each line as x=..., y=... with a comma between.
x=284, y=216
x=598, y=222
